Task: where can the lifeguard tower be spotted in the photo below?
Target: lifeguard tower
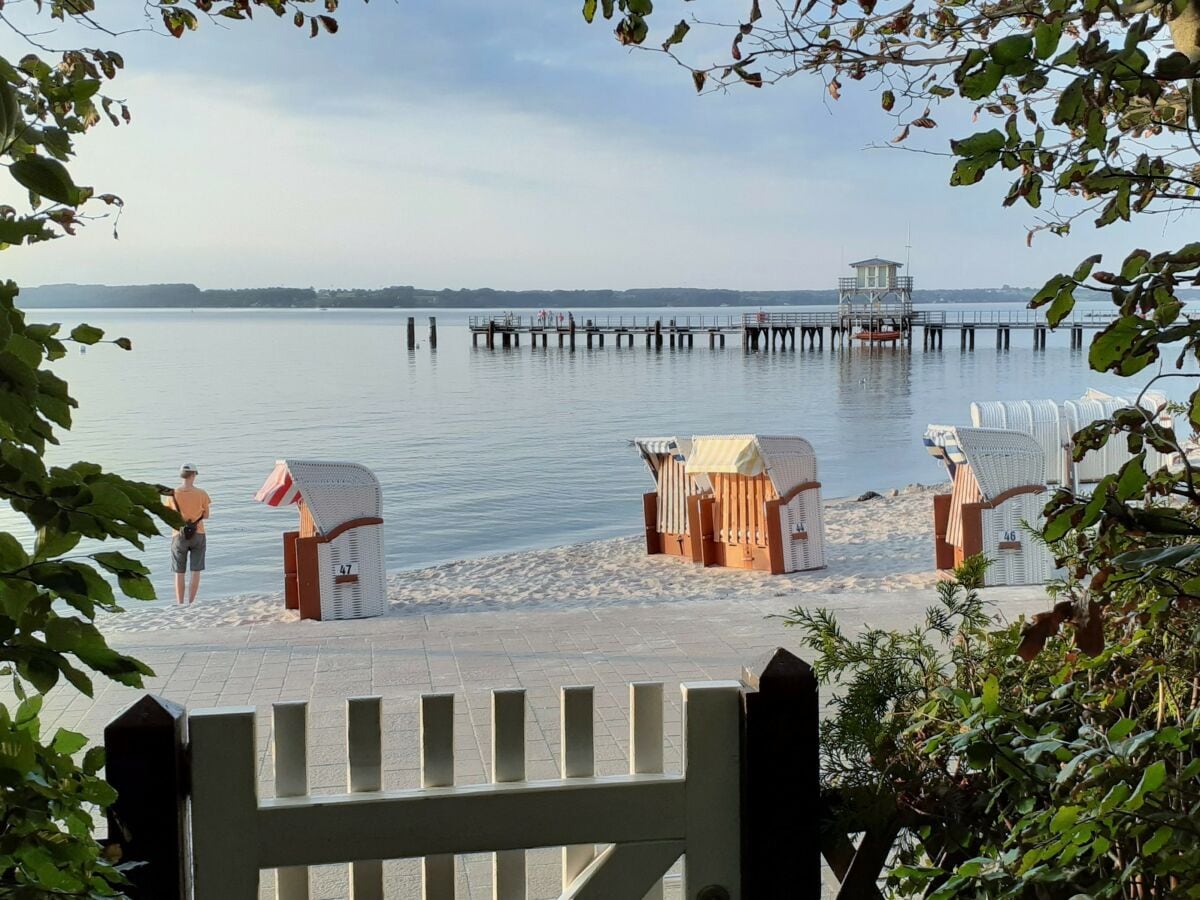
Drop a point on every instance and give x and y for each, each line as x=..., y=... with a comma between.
x=875, y=304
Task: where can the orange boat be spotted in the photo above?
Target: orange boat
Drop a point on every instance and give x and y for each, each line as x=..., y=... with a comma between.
x=877, y=336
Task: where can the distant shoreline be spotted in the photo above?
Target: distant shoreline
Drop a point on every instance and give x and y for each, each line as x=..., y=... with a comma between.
x=188, y=296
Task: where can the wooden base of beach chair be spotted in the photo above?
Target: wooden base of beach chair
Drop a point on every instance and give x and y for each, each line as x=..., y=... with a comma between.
x=943, y=550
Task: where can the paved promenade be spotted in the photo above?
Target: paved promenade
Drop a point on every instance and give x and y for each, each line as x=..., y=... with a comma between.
x=399, y=657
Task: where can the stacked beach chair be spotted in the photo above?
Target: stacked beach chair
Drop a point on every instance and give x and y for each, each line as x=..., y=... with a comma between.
x=1052, y=425
x=991, y=467
x=752, y=501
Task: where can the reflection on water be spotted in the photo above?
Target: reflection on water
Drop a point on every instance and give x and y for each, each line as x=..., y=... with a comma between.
x=485, y=451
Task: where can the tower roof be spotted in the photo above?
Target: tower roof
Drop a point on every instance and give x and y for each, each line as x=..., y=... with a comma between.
x=875, y=261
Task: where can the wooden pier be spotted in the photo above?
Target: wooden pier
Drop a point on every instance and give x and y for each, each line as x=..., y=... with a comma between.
x=774, y=331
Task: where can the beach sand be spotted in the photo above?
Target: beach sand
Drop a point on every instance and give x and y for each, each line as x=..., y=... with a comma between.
x=878, y=545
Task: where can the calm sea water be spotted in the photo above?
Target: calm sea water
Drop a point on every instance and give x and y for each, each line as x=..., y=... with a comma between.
x=488, y=451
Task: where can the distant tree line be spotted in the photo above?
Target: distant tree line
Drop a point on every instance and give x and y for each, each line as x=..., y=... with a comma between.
x=188, y=296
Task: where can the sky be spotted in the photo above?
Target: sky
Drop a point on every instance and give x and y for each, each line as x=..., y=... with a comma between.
x=512, y=146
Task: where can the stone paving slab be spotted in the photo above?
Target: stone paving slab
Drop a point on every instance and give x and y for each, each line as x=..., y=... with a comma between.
x=400, y=657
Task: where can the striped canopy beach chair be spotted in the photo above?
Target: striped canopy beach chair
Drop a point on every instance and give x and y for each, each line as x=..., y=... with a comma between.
x=665, y=509
x=764, y=508
x=334, y=564
x=998, y=496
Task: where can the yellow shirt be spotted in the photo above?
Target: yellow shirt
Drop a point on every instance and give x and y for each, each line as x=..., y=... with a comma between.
x=191, y=503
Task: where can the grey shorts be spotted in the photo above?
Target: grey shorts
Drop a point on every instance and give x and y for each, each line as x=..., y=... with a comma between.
x=184, y=550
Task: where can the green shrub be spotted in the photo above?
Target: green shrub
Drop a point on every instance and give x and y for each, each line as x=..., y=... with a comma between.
x=1070, y=776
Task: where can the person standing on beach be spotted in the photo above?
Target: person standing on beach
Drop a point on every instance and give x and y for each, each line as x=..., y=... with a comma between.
x=189, y=542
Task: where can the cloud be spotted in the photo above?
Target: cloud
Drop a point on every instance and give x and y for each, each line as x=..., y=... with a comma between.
x=466, y=145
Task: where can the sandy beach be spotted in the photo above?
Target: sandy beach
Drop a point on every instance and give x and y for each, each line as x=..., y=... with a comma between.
x=878, y=545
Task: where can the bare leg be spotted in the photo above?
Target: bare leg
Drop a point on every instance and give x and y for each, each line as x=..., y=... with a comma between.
x=178, y=587
x=195, y=587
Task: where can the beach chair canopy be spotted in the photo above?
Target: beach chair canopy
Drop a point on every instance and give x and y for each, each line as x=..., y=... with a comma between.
x=333, y=492
x=728, y=455
x=788, y=462
x=655, y=450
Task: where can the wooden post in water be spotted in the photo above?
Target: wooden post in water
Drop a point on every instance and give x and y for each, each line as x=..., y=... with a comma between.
x=412, y=332
x=145, y=762
x=432, y=332
x=658, y=334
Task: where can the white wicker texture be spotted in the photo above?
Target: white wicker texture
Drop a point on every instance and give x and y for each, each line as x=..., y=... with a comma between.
x=803, y=516
x=361, y=599
x=1032, y=563
x=1042, y=420
x=336, y=492
x=1001, y=459
x=1109, y=458
x=791, y=461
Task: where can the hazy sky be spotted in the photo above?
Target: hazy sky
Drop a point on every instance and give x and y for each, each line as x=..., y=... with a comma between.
x=465, y=144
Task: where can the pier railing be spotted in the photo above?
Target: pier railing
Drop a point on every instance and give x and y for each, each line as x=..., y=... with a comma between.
x=606, y=323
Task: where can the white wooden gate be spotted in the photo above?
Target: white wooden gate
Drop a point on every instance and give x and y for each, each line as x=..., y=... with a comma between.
x=643, y=822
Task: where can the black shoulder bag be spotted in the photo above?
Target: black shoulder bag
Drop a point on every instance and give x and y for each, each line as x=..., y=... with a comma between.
x=189, y=528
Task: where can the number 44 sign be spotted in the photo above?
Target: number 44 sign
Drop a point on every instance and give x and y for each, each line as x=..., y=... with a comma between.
x=340, y=569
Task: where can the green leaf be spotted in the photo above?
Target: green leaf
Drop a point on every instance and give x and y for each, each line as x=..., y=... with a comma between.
x=1064, y=819
x=1064, y=303
x=991, y=695
x=1134, y=263
x=1132, y=479
x=1011, y=49
x=977, y=144
x=1121, y=729
x=119, y=563
x=1153, y=777
x=1158, y=840
x=1046, y=37
x=28, y=710
x=139, y=587
x=47, y=178
x=982, y=82
x=69, y=742
x=677, y=35
x=589, y=10
x=51, y=543
x=86, y=334
x=1070, y=103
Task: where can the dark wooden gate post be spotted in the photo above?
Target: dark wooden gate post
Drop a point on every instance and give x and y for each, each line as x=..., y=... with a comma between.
x=144, y=761
x=781, y=790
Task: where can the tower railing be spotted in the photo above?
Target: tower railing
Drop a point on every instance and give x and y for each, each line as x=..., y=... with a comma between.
x=895, y=283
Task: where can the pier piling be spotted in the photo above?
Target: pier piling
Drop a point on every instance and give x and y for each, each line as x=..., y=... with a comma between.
x=433, y=332
x=412, y=332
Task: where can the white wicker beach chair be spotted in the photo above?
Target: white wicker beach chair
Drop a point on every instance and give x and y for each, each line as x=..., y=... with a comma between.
x=1040, y=419
x=1095, y=405
x=999, y=492
x=345, y=503
x=766, y=501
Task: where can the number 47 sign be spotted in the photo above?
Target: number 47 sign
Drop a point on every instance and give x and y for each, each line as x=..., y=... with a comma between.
x=340, y=569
